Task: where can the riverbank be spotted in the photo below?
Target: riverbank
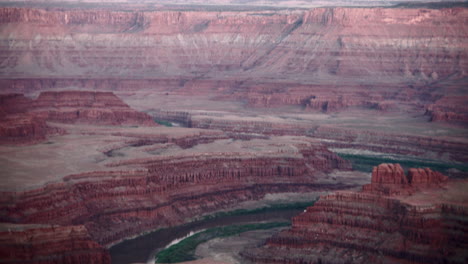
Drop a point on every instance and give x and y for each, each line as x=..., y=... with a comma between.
x=145, y=247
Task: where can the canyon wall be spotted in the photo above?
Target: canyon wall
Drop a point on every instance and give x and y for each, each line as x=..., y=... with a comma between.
x=333, y=41
x=412, y=223
x=166, y=191
x=323, y=59
x=48, y=244
x=25, y=120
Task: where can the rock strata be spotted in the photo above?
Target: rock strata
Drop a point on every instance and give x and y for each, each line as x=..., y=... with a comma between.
x=390, y=179
x=379, y=224
x=139, y=194
x=321, y=60
x=25, y=120
x=49, y=244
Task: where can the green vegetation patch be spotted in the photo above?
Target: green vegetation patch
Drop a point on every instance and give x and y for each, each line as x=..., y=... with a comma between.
x=163, y=122
x=184, y=250
x=366, y=163
x=266, y=209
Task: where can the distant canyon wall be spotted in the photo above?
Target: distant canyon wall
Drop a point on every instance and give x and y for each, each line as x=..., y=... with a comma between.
x=368, y=42
x=322, y=59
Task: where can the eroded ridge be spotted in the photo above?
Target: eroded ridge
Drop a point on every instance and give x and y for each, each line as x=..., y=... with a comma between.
x=25, y=120
x=420, y=217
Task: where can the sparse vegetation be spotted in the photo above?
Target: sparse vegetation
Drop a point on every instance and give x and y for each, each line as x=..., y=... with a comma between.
x=184, y=250
x=273, y=207
x=163, y=122
x=431, y=5
x=366, y=163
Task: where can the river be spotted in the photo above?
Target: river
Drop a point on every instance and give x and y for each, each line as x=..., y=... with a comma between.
x=143, y=248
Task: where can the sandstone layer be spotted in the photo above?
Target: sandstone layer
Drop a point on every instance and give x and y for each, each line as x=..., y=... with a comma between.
x=164, y=191
x=130, y=180
x=25, y=120
x=262, y=93
x=415, y=218
x=49, y=244
x=322, y=59
x=365, y=137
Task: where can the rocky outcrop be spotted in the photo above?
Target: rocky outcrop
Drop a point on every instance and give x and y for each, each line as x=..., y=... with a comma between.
x=425, y=176
x=25, y=120
x=24, y=128
x=18, y=125
x=48, y=244
x=370, y=226
x=449, y=109
x=169, y=190
x=390, y=179
x=103, y=108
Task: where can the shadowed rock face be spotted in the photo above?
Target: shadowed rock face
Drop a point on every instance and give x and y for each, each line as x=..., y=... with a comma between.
x=418, y=224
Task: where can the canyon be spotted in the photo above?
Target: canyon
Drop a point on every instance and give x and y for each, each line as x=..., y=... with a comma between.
x=118, y=119
x=397, y=218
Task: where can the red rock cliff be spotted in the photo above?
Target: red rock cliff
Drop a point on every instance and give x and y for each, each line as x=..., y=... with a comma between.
x=371, y=227
x=390, y=179
x=46, y=244
x=165, y=191
x=350, y=56
x=103, y=108
x=25, y=120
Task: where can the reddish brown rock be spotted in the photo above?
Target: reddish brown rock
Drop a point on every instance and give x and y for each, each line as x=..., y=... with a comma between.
x=322, y=59
x=18, y=125
x=390, y=179
x=25, y=128
x=389, y=174
x=168, y=190
x=425, y=226
x=425, y=176
x=103, y=108
x=25, y=120
x=449, y=109
x=48, y=244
